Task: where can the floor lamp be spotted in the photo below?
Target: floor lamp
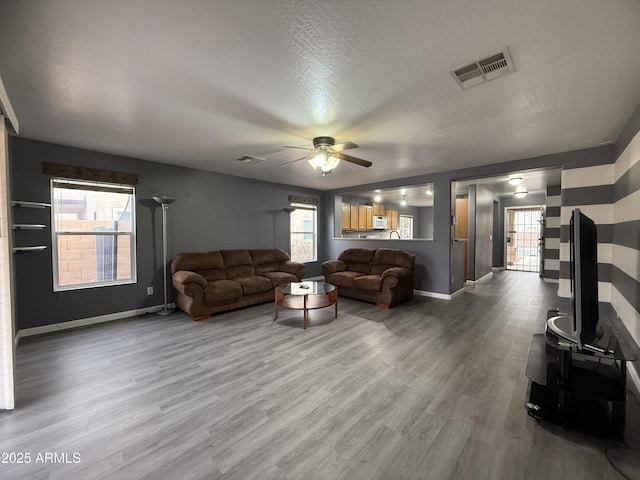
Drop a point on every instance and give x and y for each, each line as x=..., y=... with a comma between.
x=164, y=201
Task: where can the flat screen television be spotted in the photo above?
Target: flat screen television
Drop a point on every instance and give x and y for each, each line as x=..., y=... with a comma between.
x=583, y=251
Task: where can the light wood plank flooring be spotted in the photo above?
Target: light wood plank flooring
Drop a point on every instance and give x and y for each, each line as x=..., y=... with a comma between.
x=431, y=389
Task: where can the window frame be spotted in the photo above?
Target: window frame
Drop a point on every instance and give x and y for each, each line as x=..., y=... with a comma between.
x=314, y=233
x=411, y=220
x=55, y=234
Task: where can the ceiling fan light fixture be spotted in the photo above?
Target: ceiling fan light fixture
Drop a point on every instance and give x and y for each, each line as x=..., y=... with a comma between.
x=318, y=160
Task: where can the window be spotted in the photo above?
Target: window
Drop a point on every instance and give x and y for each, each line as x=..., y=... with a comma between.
x=93, y=234
x=405, y=226
x=303, y=235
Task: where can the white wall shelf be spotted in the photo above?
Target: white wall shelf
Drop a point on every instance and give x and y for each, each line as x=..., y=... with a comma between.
x=29, y=226
x=35, y=248
x=19, y=203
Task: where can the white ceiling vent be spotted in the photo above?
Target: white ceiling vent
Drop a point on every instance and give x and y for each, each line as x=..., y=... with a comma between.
x=249, y=159
x=483, y=70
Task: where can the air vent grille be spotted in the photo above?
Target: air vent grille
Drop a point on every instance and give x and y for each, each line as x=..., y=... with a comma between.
x=483, y=70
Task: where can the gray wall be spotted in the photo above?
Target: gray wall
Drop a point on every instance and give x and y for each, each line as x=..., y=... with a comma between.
x=425, y=220
x=625, y=270
x=212, y=212
x=433, y=257
x=483, y=232
x=552, y=233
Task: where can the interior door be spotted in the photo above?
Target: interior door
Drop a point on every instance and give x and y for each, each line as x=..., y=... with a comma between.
x=523, y=238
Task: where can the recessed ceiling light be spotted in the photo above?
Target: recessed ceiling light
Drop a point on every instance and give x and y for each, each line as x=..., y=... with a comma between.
x=515, y=180
x=521, y=192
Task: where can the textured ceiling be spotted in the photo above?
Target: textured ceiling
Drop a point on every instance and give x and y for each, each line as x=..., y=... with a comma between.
x=200, y=84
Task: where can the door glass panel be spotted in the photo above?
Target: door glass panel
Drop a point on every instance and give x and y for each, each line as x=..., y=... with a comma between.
x=523, y=239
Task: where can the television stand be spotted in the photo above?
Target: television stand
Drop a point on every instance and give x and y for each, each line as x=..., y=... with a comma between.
x=579, y=388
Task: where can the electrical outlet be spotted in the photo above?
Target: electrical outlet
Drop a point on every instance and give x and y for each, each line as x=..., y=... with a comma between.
x=149, y=290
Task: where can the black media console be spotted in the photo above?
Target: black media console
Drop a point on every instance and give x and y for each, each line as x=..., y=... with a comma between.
x=580, y=388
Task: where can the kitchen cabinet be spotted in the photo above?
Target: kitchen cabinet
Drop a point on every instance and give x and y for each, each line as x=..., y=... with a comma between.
x=392, y=219
x=379, y=210
x=353, y=217
x=346, y=216
x=362, y=217
x=369, y=216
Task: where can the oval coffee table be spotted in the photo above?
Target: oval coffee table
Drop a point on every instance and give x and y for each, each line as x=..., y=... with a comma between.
x=306, y=296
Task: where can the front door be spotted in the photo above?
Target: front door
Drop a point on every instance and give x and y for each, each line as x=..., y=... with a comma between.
x=524, y=239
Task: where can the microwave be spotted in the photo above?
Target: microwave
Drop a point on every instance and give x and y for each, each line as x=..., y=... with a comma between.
x=379, y=223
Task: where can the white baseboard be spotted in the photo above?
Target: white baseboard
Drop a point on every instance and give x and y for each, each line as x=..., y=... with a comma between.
x=441, y=296
x=551, y=280
x=83, y=322
x=484, y=277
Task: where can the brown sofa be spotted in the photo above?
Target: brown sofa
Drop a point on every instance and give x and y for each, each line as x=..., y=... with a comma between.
x=212, y=282
x=383, y=276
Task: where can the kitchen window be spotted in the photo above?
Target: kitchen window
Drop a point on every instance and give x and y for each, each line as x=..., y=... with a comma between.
x=405, y=226
x=93, y=229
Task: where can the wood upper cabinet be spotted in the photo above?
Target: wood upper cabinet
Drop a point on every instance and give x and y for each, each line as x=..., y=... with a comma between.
x=353, y=217
x=392, y=219
x=369, y=214
x=362, y=217
x=379, y=210
x=346, y=216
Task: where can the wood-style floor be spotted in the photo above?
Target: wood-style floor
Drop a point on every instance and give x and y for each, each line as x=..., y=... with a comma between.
x=431, y=389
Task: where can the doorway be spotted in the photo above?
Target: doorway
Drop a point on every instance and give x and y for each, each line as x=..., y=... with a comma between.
x=524, y=238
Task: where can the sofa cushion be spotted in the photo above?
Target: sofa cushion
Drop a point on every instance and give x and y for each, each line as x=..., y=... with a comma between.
x=368, y=282
x=385, y=258
x=254, y=284
x=237, y=263
x=212, y=274
x=195, y=262
x=343, y=279
x=358, y=259
x=220, y=292
x=268, y=256
x=280, y=278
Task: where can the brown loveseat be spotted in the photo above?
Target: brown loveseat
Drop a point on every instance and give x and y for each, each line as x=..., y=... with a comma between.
x=383, y=276
x=212, y=282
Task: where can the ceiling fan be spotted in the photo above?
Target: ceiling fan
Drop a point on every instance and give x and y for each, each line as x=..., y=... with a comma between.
x=326, y=154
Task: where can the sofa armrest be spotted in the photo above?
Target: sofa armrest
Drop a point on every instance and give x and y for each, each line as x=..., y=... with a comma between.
x=333, y=266
x=290, y=266
x=398, y=272
x=183, y=277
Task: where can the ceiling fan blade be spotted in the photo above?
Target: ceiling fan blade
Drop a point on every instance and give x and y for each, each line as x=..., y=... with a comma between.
x=349, y=158
x=345, y=146
x=293, y=161
x=297, y=146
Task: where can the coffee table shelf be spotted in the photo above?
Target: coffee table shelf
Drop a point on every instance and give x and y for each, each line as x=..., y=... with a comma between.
x=306, y=296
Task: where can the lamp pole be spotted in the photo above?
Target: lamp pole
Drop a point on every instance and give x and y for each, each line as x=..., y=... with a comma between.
x=164, y=202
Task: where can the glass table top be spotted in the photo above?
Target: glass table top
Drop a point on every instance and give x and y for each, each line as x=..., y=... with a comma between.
x=306, y=288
